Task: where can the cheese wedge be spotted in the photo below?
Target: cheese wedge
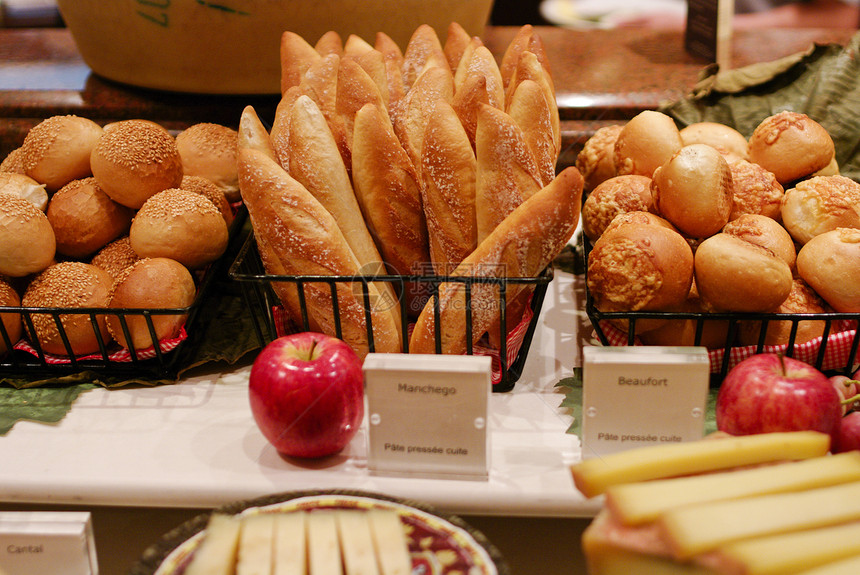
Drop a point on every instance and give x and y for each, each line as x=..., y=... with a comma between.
x=389, y=540
x=699, y=528
x=216, y=554
x=324, y=556
x=636, y=503
x=290, y=550
x=850, y=566
x=594, y=476
x=256, y=544
x=356, y=543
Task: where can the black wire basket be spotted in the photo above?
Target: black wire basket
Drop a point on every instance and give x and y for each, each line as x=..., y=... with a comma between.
x=266, y=310
x=835, y=352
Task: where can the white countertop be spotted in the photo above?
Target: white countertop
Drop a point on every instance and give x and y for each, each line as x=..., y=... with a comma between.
x=195, y=444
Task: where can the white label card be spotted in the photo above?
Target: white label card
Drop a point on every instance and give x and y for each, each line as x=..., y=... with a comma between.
x=428, y=415
x=47, y=543
x=642, y=395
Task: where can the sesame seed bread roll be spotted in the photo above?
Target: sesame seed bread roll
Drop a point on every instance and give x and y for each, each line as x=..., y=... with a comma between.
x=209, y=150
x=723, y=138
x=790, y=145
x=828, y=263
x=24, y=187
x=433, y=85
x=11, y=321
x=507, y=172
x=297, y=55
x=27, y=241
x=298, y=236
x=57, y=150
x=150, y=283
x=180, y=225
x=134, y=160
x=115, y=257
x=85, y=219
x=69, y=285
x=754, y=190
x=646, y=142
x=521, y=246
x=819, y=205
x=596, y=160
x=13, y=162
x=614, y=196
x=205, y=187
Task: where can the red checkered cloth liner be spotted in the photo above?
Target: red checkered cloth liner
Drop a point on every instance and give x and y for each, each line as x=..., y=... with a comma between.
x=119, y=355
x=835, y=353
x=514, y=341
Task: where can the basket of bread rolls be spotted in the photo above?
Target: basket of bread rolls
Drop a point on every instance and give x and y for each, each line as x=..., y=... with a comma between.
x=109, y=239
x=704, y=236
x=405, y=198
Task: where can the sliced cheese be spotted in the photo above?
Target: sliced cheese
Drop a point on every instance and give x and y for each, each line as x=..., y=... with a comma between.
x=324, y=556
x=794, y=552
x=290, y=551
x=594, y=476
x=256, y=544
x=356, y=543
x=637, y=503
x=216, y=554
x=850, y=566
x=695, y=529
x=390, y=542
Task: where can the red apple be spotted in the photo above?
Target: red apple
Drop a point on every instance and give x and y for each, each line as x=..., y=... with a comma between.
x=849, y=433
x=768, y=392
x=307, y=394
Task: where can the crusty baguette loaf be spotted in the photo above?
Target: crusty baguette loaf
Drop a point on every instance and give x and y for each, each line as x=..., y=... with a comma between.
x=477, y=81
x=523, y=245
x=456, y=42
x=448, y=173
x=355, y=88
x=422, y=51
x=392, y=55
x=280, y=133
x=529, y=67
x=433, y=84
x=300, y=237
x=329, y=43
x=297, y=55
x=507, y=172
x=533, y=114
x=525, y=40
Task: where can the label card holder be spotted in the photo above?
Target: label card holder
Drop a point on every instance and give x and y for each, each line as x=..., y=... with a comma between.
x=47, y=542
x=427, y=415
x=642, y=395
x=708, y=33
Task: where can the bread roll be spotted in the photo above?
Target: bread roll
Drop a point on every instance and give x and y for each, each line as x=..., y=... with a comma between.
x=596, y=160
x=821, y=204
x=205, y=187
x=180, y=225
x=150, y=283
x=693, y=190
x=705, y=331
x=115, y=257
x=802, y=299
x=790, y=145
x=57, y=150
x=209, y=150
x=11, y=321
x=646, y=142
x=521, y=246
x=615, y=196
x=69, y=285
x=27, y=242
x=24, y=187
x=639, y=217
x=828, y=263
x=736, y=275
x=723, y=138
x=85, y=219
x=765, y=232
x=135, y=160
x=13, y=162
x=754, y=190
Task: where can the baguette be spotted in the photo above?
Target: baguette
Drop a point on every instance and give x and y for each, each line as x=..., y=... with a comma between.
x=477, y=81
x=392, y=56
x=529, y=67
x=329, y=43
x=522, y=245
x=355, y=88
x=280, y=134
x=525, y=40
x=456, y=42
x=300, y=237
x=422, y=51
x=297, y=55
x=434, y=84
x=533, y=114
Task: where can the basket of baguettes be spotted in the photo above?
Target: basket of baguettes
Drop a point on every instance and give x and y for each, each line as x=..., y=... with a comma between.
x=701, y=236
x=406, y=200
x=110, y=238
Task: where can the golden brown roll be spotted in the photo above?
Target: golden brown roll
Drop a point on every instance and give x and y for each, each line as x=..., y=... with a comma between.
x=85, y=219
x=790, y=145
x=683, y=331
x=828, y=263
x=27, y=242
x=693, y=190
x=639, y=217
x=70, y=285
x=150, y=283
x=617, y=195
x=57, y=150
x=640, y=267
x=180, y=225
x=115, y=257
x=754, y=190
x=646, y=142
x=24, y=187
x=736, y=275
x=210, y=150
x=821, y=204
x=13, y=162
x=596, y=160
x=801, y=299
x=205, y=187
x=765, y=232
x=134, y=160
x=725, y=139
x=11, y=321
